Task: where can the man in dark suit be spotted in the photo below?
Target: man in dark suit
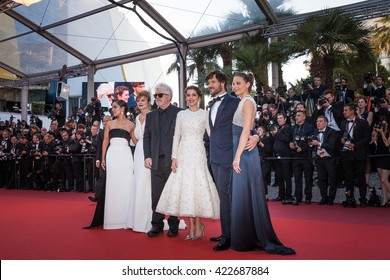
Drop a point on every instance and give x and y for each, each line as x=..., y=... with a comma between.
x=326, y=142
x=158, y=138
x=301, y=164
x=346, y=95
x=355, y=139
x=332, y=110
x=283, y=138
x=221, y=111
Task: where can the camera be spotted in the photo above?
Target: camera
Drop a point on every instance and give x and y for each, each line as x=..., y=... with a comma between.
x=311, y=138
x=322, y=100
x=378, y=125
x=337, y=84
x=369, y=77
x=346, y=137
x=52, y=114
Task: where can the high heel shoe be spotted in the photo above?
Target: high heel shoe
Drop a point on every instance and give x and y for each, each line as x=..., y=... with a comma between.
x=189, y=237
x=196, y=237
x=386, y=204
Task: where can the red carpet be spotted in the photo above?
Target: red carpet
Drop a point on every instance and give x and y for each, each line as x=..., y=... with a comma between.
x=48, y=225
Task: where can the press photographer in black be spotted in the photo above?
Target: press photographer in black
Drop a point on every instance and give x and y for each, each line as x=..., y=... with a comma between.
x=282, y=138
x=326, y=144
x=58, y=114
x=332, y=110
x=301, y=164
x=355, y=139
x=345, y=94
x=265, y=145
x=93, y=111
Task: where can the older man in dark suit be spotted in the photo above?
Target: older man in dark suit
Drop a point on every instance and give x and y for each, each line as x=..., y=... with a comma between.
x=158, y=138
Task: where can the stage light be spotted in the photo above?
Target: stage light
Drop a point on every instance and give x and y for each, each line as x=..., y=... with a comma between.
x=26, y=2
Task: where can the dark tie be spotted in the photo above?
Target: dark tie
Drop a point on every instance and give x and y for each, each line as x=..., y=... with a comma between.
x=212, y=101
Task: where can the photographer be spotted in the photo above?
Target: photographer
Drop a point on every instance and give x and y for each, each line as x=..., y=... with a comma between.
x=265, y=145
x=384, y=105
x=92, y=146
x=355, y=139
x=59, y=114
x=301, y=165
x=48, y=160
x=314, y=90
x=326, y=143
x=5, y=163
x=78, y=149
x=373, y=86
x=381, y=140
x=282, y=138
x=344, y=94
x=62, y=169
x=93, y=111
x=25, y=162
x=288, y=104
x=36, y=155
x=328, y=107
x=80, y=116
x=35, y=120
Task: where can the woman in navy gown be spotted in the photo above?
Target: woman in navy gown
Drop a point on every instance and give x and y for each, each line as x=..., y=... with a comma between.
x=251, y=224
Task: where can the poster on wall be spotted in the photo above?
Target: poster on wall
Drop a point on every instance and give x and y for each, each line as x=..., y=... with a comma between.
x=106, y=92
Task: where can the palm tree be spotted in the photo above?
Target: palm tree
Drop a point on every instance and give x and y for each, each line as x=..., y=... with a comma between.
x=380, y=36
x=328, y=37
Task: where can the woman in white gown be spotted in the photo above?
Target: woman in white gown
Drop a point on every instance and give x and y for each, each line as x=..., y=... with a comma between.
x=190, y=190
x=117, y=160
x=140, y=214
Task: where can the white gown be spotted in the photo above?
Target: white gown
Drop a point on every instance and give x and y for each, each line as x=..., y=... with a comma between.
x=119, y=179
x=140, y=214
x=190, y=191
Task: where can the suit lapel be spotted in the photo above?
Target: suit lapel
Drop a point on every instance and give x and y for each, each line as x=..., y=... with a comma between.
x=220, y=108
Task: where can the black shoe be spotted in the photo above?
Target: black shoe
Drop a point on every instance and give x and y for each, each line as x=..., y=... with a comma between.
x=92, y=198
x=330, y=202
x=363, y=204
x=296, y=201
x=288, y=200
x=308, y=201
x=224, y=244
x=216, y=238
x=173, y=232
x=155, y=232
x=279, y=198
x=323, y=201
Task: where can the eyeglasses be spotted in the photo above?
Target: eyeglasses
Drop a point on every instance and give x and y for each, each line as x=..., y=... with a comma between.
x=159, y=95
x=110, y=95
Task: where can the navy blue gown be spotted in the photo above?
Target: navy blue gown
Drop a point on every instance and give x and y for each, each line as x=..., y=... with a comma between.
x=251, y=224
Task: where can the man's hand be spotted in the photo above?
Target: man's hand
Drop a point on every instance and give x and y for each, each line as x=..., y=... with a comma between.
x=148, y=163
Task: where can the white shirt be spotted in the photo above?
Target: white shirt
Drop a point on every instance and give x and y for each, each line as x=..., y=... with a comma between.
x=214, y=109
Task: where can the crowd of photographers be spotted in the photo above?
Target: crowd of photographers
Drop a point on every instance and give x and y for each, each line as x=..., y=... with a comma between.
x=343, y=136
x=55, y=158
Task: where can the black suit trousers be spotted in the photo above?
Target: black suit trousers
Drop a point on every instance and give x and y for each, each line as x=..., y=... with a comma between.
x=159, y=178
x=222, y=174
x=303, y=167
x=354, y=174
x=326, y=168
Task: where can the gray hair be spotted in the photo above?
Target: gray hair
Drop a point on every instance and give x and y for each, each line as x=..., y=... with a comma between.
x=165, y=87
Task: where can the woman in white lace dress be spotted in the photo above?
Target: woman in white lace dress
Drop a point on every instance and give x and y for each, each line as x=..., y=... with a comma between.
x=190, y=190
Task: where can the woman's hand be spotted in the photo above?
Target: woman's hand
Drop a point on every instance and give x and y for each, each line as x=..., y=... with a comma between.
x=103, y=164
x=236, y=166
x=174, y=165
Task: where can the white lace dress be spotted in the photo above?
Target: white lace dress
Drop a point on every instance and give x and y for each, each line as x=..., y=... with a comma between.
x=190, y=192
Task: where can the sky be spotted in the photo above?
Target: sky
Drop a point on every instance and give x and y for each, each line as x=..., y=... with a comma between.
x=295, y=69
